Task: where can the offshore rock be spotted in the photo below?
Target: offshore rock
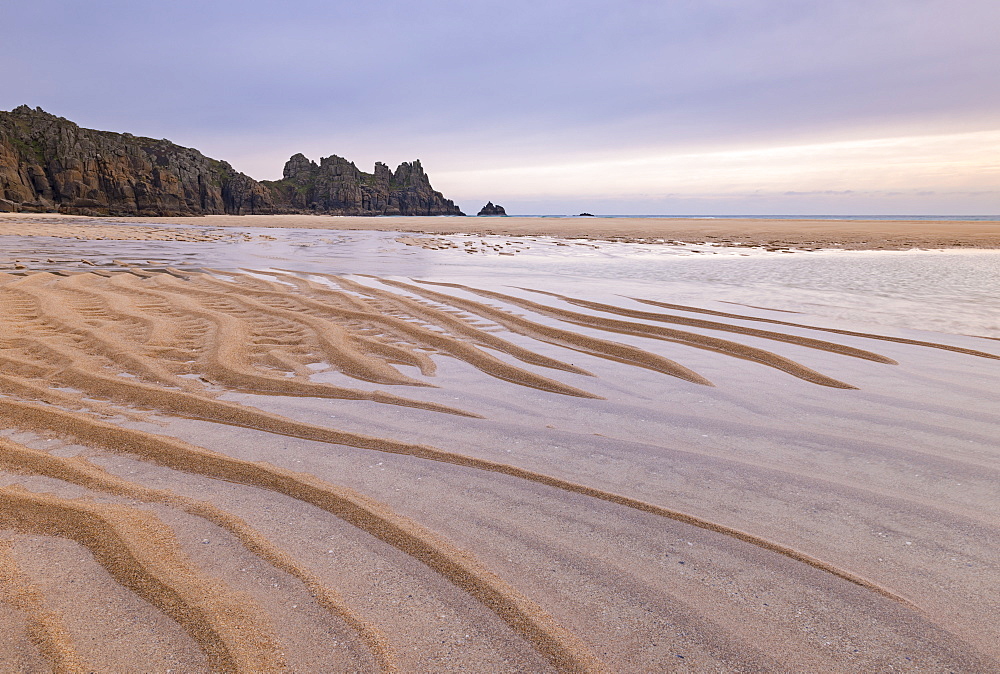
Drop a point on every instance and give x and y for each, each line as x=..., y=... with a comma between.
x=48, y=163
x=491, y=209
x=336, y=186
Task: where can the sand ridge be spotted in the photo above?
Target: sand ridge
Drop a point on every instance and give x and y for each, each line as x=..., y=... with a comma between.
x=443, y=342
x=701, y=341
x=561, y=647
x=602, y=348
x=177, y=402
x=140, y=552
x=723, y=327
x=89, y=355
x=79, y=471
x=742, y=317
x=45, y=628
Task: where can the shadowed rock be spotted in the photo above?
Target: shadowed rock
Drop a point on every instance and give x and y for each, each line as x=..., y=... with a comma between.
x=48, y=163
x=492, y=209
x=336, y=186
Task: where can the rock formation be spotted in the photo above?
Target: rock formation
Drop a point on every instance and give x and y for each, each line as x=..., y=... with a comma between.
x=336, y=186
x=492, y=209
x=48, y=163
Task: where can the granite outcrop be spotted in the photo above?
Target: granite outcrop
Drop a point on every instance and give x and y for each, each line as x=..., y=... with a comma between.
x=492, y=209
x=335, y=186
x=50, y=164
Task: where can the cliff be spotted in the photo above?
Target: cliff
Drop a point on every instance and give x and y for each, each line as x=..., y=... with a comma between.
x=48, y=163
x=336, y=186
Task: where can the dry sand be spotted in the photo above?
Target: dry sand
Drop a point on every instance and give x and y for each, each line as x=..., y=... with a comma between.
x=274, y=471
x=90, y=229
x=770, y=233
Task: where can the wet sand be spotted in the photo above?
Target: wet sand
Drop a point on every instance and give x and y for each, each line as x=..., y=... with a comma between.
x=753, y=232
x=267, y=470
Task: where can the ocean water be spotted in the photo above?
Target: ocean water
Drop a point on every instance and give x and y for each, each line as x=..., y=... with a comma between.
x=950, y=291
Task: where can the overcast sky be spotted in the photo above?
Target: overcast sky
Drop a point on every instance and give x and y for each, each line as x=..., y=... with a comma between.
x=551, y=106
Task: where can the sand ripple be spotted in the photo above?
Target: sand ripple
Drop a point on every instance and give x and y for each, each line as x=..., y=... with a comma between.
x=96, y=360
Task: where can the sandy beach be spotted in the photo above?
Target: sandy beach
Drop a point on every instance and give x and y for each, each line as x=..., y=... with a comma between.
x=410, y=458
x=775, y=233
x=853, y=235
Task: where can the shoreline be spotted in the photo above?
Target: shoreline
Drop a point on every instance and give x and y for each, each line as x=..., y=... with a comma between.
x=357, y=452
x=800, y=234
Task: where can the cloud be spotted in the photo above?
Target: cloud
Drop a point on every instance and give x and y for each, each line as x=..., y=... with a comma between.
x=490, y=85
x=949, y=167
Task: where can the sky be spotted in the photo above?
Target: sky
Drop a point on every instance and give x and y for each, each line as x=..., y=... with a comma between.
x=551, y=106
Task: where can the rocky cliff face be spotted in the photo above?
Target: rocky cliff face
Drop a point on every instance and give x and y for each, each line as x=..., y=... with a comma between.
x=48, y=163
x=336, y=186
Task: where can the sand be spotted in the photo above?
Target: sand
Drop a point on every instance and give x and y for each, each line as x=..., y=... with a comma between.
x=769, y=233
x=277, y=471
x=90, y=229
